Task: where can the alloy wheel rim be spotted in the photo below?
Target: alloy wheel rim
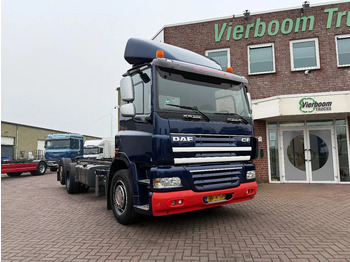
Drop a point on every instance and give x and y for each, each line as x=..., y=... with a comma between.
x=120, y=199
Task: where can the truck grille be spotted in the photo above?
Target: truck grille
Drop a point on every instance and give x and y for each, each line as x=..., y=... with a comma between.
x=194, y=148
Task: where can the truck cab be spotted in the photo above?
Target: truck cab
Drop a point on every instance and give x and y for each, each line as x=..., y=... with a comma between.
x=59, y=146
x=98, y=149
x=186, y=139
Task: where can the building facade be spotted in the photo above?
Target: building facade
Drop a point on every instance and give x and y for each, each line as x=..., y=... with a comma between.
x=298, y=64
x=26, y=142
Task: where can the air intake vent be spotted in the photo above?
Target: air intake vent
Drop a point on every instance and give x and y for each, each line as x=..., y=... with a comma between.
x=215, y=178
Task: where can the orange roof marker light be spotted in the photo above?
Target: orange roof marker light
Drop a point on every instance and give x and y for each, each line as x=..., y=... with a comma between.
x=229, y=70
x=160, y=54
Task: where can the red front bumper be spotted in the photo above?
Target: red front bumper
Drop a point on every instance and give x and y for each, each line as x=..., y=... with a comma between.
x=162, y=201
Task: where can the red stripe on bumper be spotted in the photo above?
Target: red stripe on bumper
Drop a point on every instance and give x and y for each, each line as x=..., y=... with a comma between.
x=161, y=201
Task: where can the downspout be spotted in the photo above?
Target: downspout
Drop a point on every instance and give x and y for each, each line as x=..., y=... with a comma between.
x=16, y=142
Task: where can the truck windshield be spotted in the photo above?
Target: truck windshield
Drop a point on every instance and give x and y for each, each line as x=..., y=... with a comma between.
x=91, y=150
x=179, y=91
x=58, y=143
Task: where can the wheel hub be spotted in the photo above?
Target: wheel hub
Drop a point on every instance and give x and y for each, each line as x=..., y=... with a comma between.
x=41, y=168
x=120, y=197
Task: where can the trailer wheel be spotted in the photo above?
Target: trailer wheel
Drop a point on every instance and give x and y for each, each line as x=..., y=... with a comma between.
x=40, y=169
x=64, y=163
x=121, y=194
x=72, y=187
x=14, y=174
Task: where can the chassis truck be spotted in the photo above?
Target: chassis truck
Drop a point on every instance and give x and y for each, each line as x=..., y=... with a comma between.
x=15, y=168
x=186, y=140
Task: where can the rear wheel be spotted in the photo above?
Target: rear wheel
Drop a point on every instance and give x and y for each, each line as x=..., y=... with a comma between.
x=64, y=164
x=72, y=187
x=40, y=169
x=14, y=174
x=83, y=188
x=121, y=194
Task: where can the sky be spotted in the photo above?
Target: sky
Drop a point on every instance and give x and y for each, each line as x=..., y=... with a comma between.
x=62, y=60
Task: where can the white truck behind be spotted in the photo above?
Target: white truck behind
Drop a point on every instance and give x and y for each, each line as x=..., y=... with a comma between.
x=99, y=149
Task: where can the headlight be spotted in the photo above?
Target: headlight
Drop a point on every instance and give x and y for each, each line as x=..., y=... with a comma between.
x=167, y=182
x=251, y=174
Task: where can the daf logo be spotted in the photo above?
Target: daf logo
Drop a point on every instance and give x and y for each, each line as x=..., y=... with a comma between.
x=245, y=139
x=182, y=138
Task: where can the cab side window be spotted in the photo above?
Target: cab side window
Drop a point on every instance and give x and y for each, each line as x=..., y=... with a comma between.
x=142, y=91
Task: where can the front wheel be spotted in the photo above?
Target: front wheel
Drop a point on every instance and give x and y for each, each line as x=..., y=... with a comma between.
x=121, y=194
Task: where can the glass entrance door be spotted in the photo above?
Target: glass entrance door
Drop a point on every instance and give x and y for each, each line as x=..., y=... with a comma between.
x=308, y=156
x=320, y=155
x=294, y=156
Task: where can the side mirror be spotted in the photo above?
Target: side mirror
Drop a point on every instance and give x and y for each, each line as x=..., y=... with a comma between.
x=127, y=89
x=128, y=110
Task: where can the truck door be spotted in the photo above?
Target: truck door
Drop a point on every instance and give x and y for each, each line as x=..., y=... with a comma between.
x=136, y=141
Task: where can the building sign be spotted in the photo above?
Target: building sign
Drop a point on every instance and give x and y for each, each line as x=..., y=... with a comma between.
x=309, y=105
x=301, y=105
x=228, y=31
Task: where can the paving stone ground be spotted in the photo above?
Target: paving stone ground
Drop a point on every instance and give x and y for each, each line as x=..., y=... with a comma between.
x=285, y=222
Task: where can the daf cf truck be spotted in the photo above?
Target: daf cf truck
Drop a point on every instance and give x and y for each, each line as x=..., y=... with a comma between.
x=186, y=140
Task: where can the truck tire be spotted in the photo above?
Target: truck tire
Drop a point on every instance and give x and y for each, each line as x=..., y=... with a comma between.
x=40, y=169
x=83, y=188
x=14, y=174
x=59, y=170
x=72, y=187
x=64, y=164
x=121, y=194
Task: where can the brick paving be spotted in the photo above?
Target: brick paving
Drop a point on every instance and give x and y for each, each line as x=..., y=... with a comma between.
x=288, y=222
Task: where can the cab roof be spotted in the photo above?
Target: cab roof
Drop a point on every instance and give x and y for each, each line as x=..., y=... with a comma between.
x=140, y=51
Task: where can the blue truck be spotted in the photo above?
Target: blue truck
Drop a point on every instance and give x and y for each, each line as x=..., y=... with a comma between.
x=58, y=146
x=185, y=142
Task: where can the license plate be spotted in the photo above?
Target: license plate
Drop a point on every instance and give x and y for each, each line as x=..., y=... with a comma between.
x=215, y=198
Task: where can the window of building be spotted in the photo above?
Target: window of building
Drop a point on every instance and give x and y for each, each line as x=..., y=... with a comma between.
x=343, y=50
x=304, y=54
x=221, y=56
x=261, y=59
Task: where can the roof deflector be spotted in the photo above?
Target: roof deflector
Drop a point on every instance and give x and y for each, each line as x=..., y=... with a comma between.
x=140, y=51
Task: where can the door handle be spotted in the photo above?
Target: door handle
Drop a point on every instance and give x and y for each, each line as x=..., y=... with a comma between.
x=307, y=149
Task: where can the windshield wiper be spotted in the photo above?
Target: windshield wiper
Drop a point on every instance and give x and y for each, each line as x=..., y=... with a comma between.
x=193, y=108
x=238, y=117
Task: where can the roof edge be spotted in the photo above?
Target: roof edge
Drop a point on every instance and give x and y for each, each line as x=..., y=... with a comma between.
x=241, y=15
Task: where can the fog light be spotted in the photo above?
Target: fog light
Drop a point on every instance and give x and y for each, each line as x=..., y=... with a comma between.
x=167, y=182
x=180, y=202
x=251, y=174
x=173, y=203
